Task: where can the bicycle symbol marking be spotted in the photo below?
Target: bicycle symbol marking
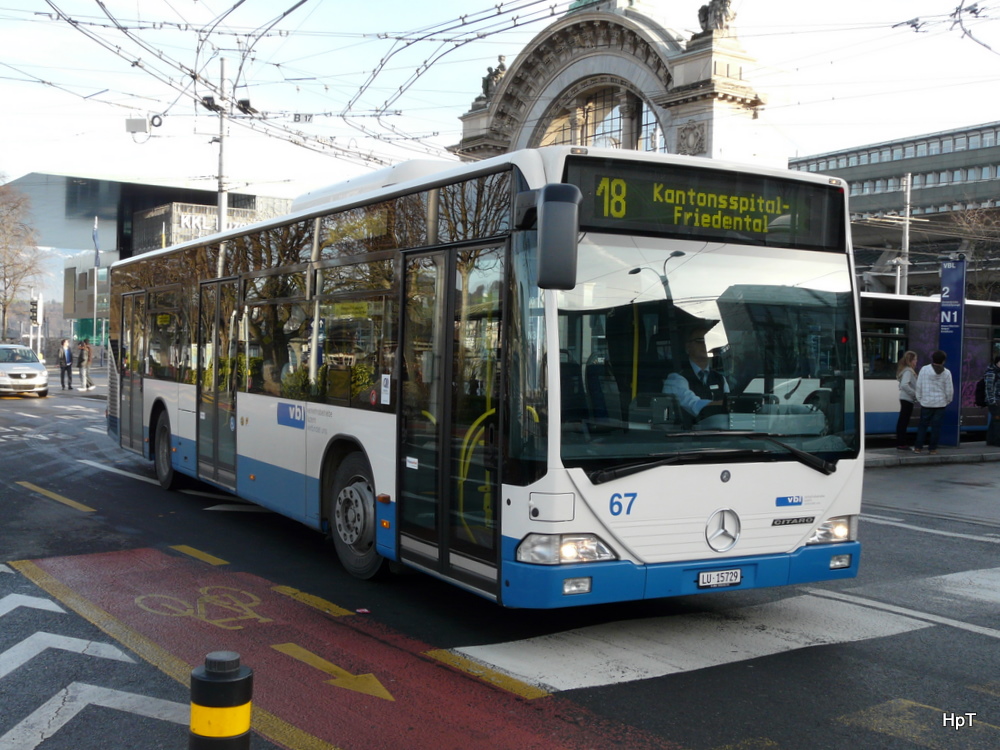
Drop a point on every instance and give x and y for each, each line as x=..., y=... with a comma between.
x=238, y=605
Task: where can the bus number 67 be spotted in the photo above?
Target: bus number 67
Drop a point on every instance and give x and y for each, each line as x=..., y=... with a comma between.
x=619, y=500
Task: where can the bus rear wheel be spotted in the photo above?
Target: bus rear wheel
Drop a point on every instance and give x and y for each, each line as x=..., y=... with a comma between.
x=165, y=473
x=352, y=518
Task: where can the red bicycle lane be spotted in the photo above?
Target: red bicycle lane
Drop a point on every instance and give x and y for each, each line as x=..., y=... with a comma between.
x=323, y=676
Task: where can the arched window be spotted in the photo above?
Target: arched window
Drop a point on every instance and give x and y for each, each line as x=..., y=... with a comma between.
x=605, y=117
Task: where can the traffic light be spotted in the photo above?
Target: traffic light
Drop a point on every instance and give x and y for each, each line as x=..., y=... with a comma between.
x=33, y=312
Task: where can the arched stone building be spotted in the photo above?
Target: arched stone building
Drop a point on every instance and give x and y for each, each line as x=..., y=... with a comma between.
x=612, y=73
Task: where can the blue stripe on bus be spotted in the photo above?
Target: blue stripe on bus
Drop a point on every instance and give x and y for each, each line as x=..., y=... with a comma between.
x=881, y=422
x=281, y=490
x=270, y=487
x=884, y=423
x=540, y=586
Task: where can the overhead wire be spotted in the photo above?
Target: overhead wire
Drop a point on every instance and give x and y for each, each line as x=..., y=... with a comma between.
x=378, y=120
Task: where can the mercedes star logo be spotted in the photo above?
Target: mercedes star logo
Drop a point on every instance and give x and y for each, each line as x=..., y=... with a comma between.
x=723, y=530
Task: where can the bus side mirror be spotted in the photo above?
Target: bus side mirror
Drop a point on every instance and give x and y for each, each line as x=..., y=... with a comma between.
x=556, y=212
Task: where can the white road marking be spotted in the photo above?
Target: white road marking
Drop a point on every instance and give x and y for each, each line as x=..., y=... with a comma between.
x=955, y=535
x=98, y=430
x=62, y=707
x=5, y=569
x=12, y=601
x=120, y=472
x=979, y=585
x=34, y=644
x=625, y=651
x=25, y=414
x=925, y=616
x=872, y=516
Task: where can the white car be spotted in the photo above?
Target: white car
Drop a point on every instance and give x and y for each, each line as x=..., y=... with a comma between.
x=21, y=372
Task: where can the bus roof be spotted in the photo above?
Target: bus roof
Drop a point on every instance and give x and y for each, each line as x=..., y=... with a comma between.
x=538, y=165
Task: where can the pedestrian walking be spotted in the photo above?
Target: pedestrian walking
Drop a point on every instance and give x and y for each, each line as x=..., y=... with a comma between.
x=65, y=364
x=992, y=378
x=83, y=361
x=935, y=390
x=906, y=375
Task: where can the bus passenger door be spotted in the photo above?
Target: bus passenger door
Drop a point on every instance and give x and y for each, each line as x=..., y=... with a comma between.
x=217, y=378
x=449, y=483
x=130, y=369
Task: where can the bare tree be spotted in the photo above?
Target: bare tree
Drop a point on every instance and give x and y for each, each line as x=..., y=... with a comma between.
x=20, y=258
x=979, y=229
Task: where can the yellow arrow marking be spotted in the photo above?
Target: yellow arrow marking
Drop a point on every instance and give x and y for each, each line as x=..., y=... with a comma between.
x=362, y=683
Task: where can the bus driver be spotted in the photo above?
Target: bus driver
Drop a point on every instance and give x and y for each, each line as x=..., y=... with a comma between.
x=696, y=386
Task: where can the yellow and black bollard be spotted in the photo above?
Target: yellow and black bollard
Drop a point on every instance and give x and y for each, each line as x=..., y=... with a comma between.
x=221, y=693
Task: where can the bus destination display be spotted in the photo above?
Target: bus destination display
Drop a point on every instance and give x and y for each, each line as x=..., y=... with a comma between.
x=704, y=203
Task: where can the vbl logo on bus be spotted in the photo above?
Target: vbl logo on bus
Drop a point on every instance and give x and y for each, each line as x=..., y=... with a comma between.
x=791, y=500
x=292, y=415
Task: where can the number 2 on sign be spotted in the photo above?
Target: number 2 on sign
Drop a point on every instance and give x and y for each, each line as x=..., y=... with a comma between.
x=618, y=501
x=613, y=192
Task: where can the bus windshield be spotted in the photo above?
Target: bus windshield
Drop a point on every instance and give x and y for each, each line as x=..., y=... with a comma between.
x=696, y=351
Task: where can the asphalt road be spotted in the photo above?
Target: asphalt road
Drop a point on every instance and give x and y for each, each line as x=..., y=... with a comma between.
x=111, y=590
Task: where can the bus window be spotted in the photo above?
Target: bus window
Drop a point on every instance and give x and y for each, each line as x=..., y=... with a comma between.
x=276, y=349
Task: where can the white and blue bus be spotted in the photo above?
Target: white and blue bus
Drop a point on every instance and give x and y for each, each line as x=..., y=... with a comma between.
x=892, y=324
x=487, y=372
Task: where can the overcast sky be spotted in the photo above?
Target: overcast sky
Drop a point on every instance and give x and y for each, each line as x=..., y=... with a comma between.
x=835, y=75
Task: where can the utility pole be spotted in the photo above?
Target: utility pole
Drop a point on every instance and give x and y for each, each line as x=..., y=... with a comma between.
x=223, y=197
x=904, y=258
x=97, y=273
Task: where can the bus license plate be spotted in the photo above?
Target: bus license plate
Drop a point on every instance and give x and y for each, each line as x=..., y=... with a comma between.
x=713, y=579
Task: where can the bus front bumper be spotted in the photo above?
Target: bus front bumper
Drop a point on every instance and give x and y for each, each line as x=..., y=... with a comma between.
x=545, y=587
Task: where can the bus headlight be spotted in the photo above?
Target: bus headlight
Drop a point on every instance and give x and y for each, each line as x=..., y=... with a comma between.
x=839, y=529
x=557, y=549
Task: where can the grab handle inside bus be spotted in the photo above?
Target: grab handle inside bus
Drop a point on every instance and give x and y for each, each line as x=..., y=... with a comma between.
x=554, y=209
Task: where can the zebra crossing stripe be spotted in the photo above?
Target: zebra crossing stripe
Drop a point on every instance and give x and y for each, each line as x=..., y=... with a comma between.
x=37, y=643
x=62, y=707
x=12, y=601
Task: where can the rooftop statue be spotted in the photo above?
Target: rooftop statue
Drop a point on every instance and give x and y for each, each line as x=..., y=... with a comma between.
x=493, y=77
x=716, y=16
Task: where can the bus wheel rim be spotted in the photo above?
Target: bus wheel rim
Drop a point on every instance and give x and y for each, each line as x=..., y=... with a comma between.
x=352, y=514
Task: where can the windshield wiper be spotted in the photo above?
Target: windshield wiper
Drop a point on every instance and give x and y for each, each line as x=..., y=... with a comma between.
x=809, y=459
x=606, y=475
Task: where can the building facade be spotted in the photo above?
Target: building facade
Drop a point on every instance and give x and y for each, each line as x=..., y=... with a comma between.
x=614, y=73
x=953, y=176
x=86, y=223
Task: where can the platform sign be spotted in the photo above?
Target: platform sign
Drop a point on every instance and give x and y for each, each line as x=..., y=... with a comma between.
x=950, y=342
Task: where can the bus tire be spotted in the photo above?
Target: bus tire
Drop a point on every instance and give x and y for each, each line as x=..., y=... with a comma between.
x=165, y=473
x=352, y=517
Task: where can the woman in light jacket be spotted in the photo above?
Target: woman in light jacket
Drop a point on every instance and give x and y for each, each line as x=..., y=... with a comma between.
x=906, y=374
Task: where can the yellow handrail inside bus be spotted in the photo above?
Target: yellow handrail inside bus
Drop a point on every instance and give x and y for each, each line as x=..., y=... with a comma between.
x=469, y=442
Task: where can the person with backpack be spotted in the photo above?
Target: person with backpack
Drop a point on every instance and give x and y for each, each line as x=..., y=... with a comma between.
x=935, y=390
x=906, y=375
x=992, y=380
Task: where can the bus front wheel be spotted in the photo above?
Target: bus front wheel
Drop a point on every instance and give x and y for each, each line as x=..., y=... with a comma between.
x=352, y=518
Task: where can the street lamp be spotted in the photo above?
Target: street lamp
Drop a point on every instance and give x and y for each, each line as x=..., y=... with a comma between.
x=663, y=275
